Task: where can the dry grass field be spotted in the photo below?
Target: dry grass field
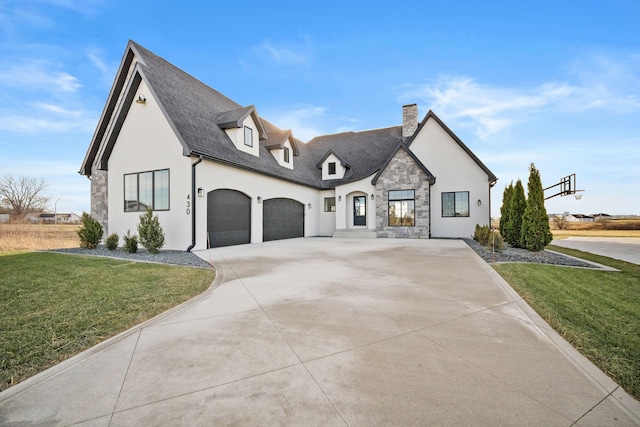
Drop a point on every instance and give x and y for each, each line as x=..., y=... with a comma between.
x=607, y=228
x=26, y=237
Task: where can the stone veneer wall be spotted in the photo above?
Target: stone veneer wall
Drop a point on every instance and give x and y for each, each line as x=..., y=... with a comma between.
x=99, y=198
x=402, y=173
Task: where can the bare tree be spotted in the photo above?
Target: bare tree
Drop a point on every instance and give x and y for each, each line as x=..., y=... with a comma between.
x=23, y=194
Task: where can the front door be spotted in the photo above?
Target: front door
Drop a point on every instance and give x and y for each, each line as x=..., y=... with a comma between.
x=360, y=210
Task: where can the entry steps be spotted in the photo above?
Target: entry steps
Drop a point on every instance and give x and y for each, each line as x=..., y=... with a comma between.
x=355, y=233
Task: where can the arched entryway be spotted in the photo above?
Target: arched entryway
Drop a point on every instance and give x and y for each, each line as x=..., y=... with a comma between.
x=228, y=218
x=282, y=219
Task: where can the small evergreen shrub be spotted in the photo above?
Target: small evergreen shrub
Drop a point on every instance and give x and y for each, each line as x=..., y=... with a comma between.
x=130, y=242
x=112, y=242
x=90, y=233
x=150, y=232
x=482, y=234
x=496, y=242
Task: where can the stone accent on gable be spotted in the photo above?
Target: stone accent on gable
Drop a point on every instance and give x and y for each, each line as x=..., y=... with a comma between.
x=403, y=173
x=99, y=198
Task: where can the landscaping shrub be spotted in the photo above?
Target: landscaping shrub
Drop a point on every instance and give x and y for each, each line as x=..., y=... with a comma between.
x=517, y=206
x=496, y=242
x=130, y=242
x=150, y=232
x=492, y=239
x=505, y=212
x=112, y=242
x=90, y=233
x=482, y=234
x=536, y=234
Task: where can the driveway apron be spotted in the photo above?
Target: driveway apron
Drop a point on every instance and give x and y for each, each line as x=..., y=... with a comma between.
x=321, y=331
x=623, y=248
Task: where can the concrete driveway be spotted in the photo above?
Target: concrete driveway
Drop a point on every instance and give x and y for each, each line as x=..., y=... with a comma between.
x=333, y=332
x=624, y=248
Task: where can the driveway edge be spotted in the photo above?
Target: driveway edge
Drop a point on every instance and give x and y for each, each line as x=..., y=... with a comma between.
x=611, y=389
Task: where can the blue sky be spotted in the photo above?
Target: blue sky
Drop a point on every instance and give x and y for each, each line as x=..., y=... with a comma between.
x=554, y=83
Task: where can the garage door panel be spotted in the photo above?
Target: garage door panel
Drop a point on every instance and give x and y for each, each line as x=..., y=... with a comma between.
x=282, y=219
x=228, y=218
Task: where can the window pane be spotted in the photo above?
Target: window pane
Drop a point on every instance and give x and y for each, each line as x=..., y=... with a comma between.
x=395, y=213
x=329, y=204
x=332, y=168
x=131, y=192
x=286, y=154
x=407, y=213
x=161, y=190
x=448, y=204
x=462, y=203
x=145, y=190
x=248, y=136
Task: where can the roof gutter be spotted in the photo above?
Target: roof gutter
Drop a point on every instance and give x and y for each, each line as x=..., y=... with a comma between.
x=194, y=196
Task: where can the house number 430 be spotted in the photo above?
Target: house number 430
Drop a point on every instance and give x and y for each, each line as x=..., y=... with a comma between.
x=188, y=204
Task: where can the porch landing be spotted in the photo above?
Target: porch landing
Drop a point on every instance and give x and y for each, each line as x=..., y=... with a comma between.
x=355, y=233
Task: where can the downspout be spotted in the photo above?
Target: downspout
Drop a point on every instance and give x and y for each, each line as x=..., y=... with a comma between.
x=194, y=196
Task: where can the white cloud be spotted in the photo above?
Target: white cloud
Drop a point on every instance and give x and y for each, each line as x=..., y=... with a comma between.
x=287, y=53
x=302, y=120
x=32, y=124
x=491, y=108
x=98, y=62
x=37, y=75
x=595, y=83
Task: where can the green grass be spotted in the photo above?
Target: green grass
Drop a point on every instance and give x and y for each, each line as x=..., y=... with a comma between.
x=598, y=312
x=54, y=305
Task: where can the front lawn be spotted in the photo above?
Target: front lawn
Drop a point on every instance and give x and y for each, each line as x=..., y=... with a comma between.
x=54, y=305
x=598, y=312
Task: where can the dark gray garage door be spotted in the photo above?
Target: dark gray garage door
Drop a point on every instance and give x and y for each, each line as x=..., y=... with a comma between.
x=282, y=219
x=228, y=218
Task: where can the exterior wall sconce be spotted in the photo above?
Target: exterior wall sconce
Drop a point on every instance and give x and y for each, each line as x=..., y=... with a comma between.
x=479, y=202
x=309, y=205
x=372, y=196
x=259, y=199
x=339, y=198
x=200, y=192
x=141, y=99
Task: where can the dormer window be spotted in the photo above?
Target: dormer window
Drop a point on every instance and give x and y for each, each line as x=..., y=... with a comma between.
x=248, y=136
x=286, y=154
x=332, y=168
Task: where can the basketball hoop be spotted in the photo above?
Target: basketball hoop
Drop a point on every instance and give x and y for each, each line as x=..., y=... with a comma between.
x=578, y=196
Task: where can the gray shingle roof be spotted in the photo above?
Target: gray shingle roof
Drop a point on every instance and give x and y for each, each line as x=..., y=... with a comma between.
x=199, y=115
x=365, y=152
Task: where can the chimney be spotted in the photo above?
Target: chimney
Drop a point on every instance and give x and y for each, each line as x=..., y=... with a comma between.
x=409, y=120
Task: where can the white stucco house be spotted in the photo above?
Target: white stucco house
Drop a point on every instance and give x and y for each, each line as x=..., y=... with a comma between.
x=217, y=173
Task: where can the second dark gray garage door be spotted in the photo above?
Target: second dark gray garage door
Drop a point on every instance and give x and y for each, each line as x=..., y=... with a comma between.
x=282, y=219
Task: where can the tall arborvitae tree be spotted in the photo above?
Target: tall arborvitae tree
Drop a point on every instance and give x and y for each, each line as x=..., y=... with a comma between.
x=504, y=210
x=517, y=208
x=535, y=222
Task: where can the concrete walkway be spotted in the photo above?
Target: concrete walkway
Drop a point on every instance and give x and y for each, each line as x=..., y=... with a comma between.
x=624, y=248
x=333, y=332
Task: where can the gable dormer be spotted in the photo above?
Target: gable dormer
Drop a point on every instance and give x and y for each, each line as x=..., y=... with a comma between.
x=244, y=128
x=282, y=146
x=332, y=166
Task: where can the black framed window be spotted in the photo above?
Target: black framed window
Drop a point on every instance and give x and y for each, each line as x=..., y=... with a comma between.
x=332, y=168
x=402, y=208
x=286, y=154
x=455, y=204
x=329, y=204
x=248, y=136
x=146, y=189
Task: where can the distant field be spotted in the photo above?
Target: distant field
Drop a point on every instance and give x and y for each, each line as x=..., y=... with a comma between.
x=25, y=237
x=607, y=228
